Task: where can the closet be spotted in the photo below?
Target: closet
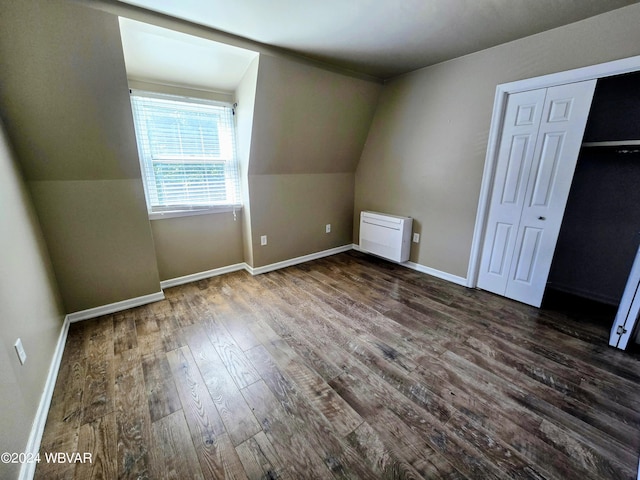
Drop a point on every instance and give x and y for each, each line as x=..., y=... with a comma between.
x=600, y=231
x=540, y=140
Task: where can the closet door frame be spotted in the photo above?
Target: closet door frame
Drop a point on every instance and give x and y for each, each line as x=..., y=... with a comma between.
x=503, y=91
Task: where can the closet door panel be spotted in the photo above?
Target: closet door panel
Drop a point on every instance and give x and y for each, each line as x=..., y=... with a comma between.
x=547, y=169
x=557, y=146
x=527, y=254
x=515, y=155
x=501, y=239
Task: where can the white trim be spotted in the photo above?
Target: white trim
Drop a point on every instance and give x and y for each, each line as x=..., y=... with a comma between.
x=115, y=307
x=499, y=107
x=179, y=97
x=27, y=470
x=591, y=72
x=428, y=270
x=436, y=273
x=297, y=260
x=160, y=215
x=181, y=91
x=173, y=282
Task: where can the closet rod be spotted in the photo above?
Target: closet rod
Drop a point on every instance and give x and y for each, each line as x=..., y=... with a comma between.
x=614, y=143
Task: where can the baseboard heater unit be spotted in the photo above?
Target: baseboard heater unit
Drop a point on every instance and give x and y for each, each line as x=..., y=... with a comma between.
x=386, y=236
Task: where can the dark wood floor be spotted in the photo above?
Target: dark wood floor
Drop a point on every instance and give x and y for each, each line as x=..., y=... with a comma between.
x=346, y=367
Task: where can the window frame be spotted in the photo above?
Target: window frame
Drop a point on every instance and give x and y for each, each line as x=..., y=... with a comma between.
x=232, y=168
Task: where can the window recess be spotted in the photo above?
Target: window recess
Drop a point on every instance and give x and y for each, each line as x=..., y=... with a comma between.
x=187, y=154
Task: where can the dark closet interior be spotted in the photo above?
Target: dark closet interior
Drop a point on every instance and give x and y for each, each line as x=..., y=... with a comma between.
x=600, y=231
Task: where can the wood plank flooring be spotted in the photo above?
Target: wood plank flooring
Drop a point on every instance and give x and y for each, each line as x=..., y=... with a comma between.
x=348, y=367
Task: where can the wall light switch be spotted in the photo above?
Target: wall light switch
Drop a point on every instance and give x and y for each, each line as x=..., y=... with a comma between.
x=416, y=238
x=22, y=355
x=263, y=240
x=327, y=228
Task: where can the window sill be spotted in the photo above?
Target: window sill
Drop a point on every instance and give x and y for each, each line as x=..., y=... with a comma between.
x=198, y=211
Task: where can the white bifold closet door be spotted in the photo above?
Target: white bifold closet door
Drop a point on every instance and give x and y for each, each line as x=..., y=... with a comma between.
x=629, y=309
x=541, y=137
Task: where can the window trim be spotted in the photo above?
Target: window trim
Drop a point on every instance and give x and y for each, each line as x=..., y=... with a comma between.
x=190, y=212
x=158, y=213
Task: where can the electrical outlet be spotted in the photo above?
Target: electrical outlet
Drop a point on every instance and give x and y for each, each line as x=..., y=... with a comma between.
x=327, y=228
x=263, y=240
x=416, y=238
x=22, y=355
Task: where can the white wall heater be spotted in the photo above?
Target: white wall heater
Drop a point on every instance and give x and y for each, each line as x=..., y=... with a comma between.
x=387, y=236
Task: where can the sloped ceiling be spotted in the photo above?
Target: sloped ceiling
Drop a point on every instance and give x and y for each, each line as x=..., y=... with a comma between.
x=382, y=38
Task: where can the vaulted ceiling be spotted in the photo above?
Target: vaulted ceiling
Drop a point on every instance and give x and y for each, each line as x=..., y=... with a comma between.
x=382, y=38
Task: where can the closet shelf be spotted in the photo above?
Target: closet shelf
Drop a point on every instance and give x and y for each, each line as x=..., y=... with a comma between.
x=614, y=143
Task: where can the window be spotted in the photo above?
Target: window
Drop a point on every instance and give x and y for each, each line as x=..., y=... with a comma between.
x=187, y=153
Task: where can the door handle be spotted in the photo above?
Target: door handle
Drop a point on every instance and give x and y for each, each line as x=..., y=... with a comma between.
x=542, y=218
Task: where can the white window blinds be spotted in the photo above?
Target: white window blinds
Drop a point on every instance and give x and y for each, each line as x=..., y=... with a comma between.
x=187, y=152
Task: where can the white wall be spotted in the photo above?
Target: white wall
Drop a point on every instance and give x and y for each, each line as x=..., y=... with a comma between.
x=309, y=128
x=30, y=309
x=425, y=152
x=65, y=104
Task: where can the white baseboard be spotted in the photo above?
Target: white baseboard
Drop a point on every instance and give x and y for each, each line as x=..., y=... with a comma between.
x=436, y=273
x=297, y=260
x=429, y=271
x=37, y=429
x=173, y=282
x=35, y=437
x=115, y=307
